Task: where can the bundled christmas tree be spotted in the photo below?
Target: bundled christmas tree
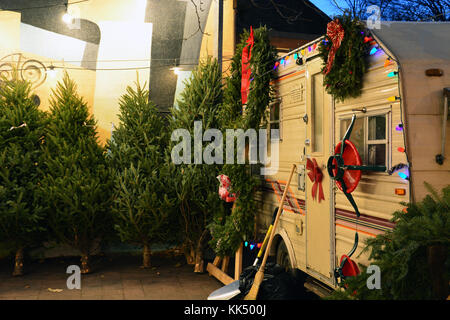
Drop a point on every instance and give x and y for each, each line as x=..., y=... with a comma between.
x=230, y=229
x=195, y=183
x=143, y=203
x=21, y=134
x=76, y=189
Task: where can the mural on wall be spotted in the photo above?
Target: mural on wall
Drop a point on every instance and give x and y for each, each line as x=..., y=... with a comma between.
x=30, y=70
x=178, y=30
x=41, y=20
x=117, y=41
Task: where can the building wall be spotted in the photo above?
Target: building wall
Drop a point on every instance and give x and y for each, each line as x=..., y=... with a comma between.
x=111, y=44
x=16, y=53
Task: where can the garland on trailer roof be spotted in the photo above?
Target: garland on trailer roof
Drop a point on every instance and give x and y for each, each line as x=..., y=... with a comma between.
x=344, y=52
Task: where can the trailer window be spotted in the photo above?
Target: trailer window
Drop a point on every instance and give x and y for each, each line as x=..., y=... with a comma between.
x=274, y=120
x=317, y=113
x=369, y=135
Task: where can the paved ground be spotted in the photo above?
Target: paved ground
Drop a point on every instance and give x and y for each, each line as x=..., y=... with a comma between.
x=117, y=278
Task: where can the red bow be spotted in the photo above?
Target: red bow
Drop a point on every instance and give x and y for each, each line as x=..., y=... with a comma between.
x=246, y=71
x=335, y=32
x=315, y=175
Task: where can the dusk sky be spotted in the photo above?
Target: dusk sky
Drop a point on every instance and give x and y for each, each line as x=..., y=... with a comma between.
x=327, y=6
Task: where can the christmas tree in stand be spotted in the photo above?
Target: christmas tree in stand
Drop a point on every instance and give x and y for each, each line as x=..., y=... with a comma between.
x=142, y=204
x=76, y=189
x=21, y=134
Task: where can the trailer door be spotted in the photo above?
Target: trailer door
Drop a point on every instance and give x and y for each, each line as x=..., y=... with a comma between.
x=319, y=197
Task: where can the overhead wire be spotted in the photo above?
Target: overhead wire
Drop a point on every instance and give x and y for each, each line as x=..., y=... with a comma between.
x=45, y=6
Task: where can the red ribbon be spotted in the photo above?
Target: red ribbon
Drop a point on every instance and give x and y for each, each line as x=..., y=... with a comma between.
x=335, y=32
x=315, y=175
x=246, y=71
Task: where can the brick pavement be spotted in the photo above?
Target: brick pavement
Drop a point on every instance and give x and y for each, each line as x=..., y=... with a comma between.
x=114, y=278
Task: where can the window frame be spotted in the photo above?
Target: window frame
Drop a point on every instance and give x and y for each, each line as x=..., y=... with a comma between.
x=279, y=121
x=387, y=112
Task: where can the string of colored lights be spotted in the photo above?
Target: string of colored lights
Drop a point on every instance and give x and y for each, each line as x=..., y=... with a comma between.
x=400, y=127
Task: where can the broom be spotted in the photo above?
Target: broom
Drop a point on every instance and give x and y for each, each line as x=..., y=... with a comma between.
x=253, y=293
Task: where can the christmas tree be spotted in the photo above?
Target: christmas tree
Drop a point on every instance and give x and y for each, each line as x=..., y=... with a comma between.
x=21, y=133
x=76, y=189
x=195, y=184
x=142, y=204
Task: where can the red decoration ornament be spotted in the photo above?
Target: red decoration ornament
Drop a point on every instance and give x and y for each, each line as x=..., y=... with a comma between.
x=351, y=157
x=225, y=185
x=350, y=268
x=315, y=175
x=335, y=32
x=246, y=71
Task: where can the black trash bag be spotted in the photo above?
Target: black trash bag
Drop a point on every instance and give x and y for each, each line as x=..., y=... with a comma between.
x=278, y=284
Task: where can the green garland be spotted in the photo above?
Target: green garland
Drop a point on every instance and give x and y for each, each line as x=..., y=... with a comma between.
x=229, y=229
x=345, y=79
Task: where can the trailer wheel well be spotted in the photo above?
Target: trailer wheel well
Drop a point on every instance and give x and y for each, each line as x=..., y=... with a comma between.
x=282, y=238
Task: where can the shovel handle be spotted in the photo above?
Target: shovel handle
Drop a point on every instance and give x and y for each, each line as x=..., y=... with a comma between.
x=266, y=238
x=275, y=224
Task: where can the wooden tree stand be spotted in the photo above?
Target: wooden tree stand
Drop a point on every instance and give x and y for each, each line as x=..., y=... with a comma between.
x=221, y=274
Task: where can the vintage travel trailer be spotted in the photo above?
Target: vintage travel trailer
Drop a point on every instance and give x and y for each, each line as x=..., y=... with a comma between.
x=401, y=120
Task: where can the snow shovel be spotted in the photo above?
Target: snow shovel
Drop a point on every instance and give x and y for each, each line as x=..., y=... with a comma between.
x=231, y=290
x=259, y=277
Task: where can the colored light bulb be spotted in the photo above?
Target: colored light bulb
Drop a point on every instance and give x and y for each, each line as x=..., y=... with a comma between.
x=403, y=175
x=392, y=74
x=252, y=246
x=246, y=243
x=373, y=51
x=393, y=98
x=295, y=56
x=401, y=149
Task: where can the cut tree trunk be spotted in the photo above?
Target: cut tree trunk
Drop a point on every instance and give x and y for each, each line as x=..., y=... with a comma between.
x=437, y=256
x=199, y=262
x=146, y=256
x=189, y=254
x=85, y=265
x=18, y=263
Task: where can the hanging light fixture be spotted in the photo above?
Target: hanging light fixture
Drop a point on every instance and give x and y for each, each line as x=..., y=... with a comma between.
x=176, y=68
x=51, y=72
x=67, y=17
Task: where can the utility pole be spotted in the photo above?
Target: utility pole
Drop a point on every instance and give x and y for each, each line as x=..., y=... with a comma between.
x=220, y=33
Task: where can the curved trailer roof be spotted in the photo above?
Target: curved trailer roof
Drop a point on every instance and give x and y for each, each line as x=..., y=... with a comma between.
x=417, y=47
x=416, y=41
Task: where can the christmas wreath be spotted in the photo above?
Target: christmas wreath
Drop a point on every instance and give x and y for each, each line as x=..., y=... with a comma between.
x=344, y=52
